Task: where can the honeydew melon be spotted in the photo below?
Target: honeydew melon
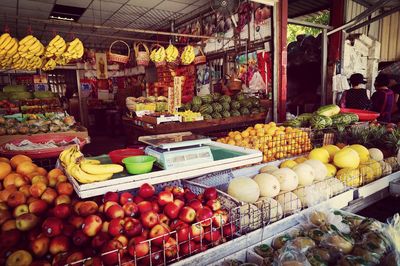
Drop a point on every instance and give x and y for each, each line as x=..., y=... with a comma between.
x=288, y=179
x=319, y=154
x=244, y=189
x=305, y=173
x=346, y=158
x=319, y=168
x=269, y=185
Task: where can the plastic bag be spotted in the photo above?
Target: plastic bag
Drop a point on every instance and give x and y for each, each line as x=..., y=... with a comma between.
x=291, y=255
x=257, y=83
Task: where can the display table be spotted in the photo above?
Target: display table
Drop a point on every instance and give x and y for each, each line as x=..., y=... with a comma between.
x=136, y=127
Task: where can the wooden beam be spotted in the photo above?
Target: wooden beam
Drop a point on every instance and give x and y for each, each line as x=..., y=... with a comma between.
x=282, y=18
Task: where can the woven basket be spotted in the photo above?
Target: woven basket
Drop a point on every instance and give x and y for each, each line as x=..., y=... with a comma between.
x=142, y=57
x=119, y=58
x=161, y=63
x=201, y=58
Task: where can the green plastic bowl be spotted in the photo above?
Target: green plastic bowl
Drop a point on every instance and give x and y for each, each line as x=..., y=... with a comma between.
x=137, y=165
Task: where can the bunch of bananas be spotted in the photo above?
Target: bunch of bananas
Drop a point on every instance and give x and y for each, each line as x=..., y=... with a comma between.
x=8, y=46
x=85, y=170
x=62, y=61
x=74, y=50
x=172, y=53
x=49, y=65
x=158, y=55
x=188, y=55
x=30, y=47
x=56, y=47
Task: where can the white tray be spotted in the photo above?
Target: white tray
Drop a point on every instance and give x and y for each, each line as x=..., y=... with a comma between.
x=377, y=185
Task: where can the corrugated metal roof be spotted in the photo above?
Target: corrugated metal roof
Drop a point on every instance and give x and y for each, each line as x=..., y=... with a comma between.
x=299, y=8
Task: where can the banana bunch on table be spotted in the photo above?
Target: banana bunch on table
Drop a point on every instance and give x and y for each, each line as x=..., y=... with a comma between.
x=86, y=170
x=172, y=53
x=188, y=55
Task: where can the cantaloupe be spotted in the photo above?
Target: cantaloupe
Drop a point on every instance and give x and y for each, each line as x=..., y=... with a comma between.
x=270, y=209
x=290, y=202
x=268, y=169
x=346, y=158
x=269, y=185
x=376, y=154
x=288, y=179
x=244, y=189
x=319, y=168
x=305, y=173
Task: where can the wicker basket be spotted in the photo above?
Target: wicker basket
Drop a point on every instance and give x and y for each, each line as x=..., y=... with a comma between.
x=201, y=58
x=119, y=58
x=142, y=57
x=161, y=63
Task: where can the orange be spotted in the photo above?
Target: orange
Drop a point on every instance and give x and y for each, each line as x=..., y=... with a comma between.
x=5, y=169
x=17, y=159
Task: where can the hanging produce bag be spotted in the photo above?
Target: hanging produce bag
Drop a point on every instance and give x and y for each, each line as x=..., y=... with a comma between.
x=142, y=57
x=119, y=58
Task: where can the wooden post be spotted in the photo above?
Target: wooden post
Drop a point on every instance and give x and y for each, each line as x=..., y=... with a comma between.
x=281, y=57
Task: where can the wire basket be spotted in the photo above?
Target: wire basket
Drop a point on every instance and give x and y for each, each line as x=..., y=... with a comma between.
x=168, y=248
x=142, y=57
x=201, y=58
x=119, y=58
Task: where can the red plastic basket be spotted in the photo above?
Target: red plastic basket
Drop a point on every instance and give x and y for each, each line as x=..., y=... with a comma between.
x=363, y=115
x=117, y=156
x=41, y=153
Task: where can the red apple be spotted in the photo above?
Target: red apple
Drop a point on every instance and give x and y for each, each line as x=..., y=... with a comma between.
x=145, y=233
x=116, y=226
x=38, y=206
x=175, y=224
x=49, y=195
x=92, y=225
x=138, y=246
x=104, y=226
x=154, y=206
x=108, y=204
x=40, y=178
x=59, y=244
x=164, y=197
x=204, y=216
x=187, y=214
x=145, y=206
x=68, y=229
x=52, y=227
x=210, y=193
x=59, y=259
x=172, y=210
x=195, y=204
x=229, y=230
x=3, y=206
x=132, y=227
x=171, y=248
x=220, y=217
x=40, y=246
x=178, y=192
x=122, y=239
x=196, y=232
x=125, y=198
x=214, y=204
x=156, y=257
x=146, y=191
x=180, y=203
x=9, y=239
x=86, y=208
x=187, y=248
x=137, y=199
x=38, y=189
x=168, y=188
x=115, y=211
x=212, y=235
x=159, y=234
x=62, y=211
x=111, y=196
x=200, y=197
x=100, y=240
x=79, y=238
x=16, y=198
x=25, y=189
x=20, y=209
x=26, y=221
x=189, y=195
x=113, y=250
x=74, y=257
x=20, y=181
x=131, y=209
x=9, y=225
x=4, y=216
x=76, y=221
x=183, y=233
x=149, y=219
x=62, y=199
x=164, y=219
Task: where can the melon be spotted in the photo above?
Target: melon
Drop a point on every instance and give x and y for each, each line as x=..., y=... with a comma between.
x=336, y=186
x=250, y=217
x=366, y=174
x=244, y=189
x=331, y=169
x=319, y=154
x=288, y=164
x=392, y=161
x=349, y=176
x=271, y=210
x=319, y=168
x=287, y=178
x=376, y=154
x=300, y=159
x=269, y=185
x=346, y=158
x=305, y=173
x=332, y=150
x=386, y=168
x=376, y=168
x=268, y=169
x=363, y=152
x=290, y=202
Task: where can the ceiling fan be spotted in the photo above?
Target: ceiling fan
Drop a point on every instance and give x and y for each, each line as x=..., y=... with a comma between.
x=226, y=8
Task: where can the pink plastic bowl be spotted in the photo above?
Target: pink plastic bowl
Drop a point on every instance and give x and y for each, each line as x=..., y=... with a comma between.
x=117, y=156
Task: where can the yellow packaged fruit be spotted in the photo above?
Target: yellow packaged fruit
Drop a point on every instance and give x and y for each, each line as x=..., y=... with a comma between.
x=363, y=152
x=331, y=169
x=288, y=164
x=346, y=158
x=366, y=174
x=375, y=166
x=349, y=176
x=300, y=159
x=319, y=154
x=332, y=150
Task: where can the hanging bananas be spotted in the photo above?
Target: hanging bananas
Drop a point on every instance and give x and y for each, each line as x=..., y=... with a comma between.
x=30, y=47
x=74, y=50
x=8, y=46
x=49, y=65
x=56, y=47
x=188, y=55
x=158, y=55
x=172, y=53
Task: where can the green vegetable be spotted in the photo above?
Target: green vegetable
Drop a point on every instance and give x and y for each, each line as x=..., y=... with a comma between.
x=328, y=110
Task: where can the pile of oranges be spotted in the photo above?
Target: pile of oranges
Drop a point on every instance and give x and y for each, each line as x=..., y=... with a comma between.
x=276, y=142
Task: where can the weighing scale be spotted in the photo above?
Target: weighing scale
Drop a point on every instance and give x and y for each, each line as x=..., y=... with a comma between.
x=178, y=149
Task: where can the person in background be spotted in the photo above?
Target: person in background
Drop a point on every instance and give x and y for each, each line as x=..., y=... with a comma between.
x=395, y=87
x=382, y=99
x=356, y=97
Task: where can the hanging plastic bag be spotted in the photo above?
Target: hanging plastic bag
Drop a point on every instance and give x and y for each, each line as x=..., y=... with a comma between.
x=257, y=83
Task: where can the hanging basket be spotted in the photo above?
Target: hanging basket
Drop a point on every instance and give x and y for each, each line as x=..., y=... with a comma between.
x=201, y=58
x=142, y=57
x=160, y=63
x=119, y=58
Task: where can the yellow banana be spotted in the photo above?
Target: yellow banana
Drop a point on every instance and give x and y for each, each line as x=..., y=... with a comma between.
x=54, y=40
x=3, y=37
x=101, y=168
x=6, y=42
x=91, y=161
x=84, y=177
x=10, y=44
x=35, y=46
x=27, y=40
x=23, y=48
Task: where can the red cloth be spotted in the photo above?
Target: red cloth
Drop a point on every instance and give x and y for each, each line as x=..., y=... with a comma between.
x=264, y=66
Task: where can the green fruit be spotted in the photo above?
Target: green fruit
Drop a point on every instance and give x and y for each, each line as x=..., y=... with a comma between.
x=254, y=110
x=235, y=105
x=187, y=106
x=255, y=102
x=244, y=111
x=240, y=96
x=235, y=113
x=216, y=115
x=216, y=96
x=292, y=123
x=225, y=98
x=206, y=109
x=328, y=110
x=217, y=107
x=207, y=98
x=195, y=107
x=207, y=117
x=226, y=106
x=318, y=122
x=226, y=114
x=246, y=103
